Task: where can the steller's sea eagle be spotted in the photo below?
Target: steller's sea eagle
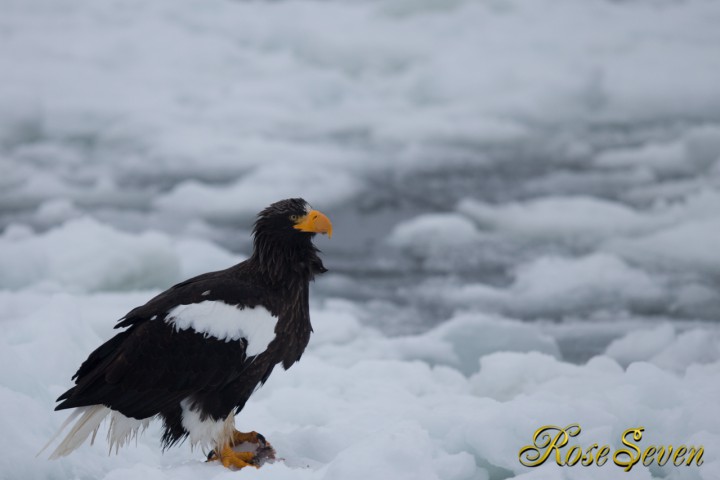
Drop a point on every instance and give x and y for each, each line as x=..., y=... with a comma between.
x=194, y=354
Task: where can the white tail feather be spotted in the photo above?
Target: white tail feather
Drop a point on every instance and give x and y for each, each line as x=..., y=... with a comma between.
x=88, y=423
x=124, y=429
x=72, y=417
x=121, y=431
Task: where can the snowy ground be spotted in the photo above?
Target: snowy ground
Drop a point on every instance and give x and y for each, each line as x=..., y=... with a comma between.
x=526, y=206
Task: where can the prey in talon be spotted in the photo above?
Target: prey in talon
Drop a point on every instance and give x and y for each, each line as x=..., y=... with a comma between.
x=244, y=449
x=192, y=356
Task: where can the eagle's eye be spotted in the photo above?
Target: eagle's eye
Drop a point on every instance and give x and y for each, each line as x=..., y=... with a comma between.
x=294, y=218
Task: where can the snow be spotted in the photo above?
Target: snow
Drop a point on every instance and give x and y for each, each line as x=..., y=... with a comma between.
x=557, y=216
x=524, y=195
x=556, y=286
x=91, y=256
x=699, y=240
x=215, y=94
x=431, y=235
x=86, y=255
x=641, y=346
x=363, y=396
x=249, y=195
x=698, y=149
x=668, y=158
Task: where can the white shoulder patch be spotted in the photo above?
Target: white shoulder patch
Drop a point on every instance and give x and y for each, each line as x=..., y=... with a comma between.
x=226, y=322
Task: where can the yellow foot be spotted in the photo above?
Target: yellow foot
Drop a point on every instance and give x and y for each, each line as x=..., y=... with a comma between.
x=236, y=452
x=232, y=459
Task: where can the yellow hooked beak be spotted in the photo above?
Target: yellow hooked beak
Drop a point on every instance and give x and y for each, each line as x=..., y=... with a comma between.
x=314, y=222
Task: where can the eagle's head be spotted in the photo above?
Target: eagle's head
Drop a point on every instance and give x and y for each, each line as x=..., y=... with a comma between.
x=283, y=239
x=292, y=218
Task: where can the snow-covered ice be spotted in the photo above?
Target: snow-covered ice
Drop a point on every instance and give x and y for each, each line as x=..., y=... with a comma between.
x=458, y=401
x=526, y=206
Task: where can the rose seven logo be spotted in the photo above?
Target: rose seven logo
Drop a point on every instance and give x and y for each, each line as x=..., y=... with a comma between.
x=552, y=441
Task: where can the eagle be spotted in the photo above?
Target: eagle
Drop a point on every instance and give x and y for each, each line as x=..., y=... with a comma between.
x=193, y=355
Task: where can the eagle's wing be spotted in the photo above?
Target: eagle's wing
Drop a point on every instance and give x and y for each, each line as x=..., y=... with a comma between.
x=153, y=365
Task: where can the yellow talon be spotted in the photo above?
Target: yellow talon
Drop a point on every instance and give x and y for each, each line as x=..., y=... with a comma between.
x=232, y=459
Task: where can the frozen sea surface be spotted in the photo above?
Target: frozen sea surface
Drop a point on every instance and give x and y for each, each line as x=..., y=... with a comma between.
x=526, y=207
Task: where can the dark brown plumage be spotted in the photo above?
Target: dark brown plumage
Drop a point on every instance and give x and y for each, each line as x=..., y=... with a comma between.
x=191, y=375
